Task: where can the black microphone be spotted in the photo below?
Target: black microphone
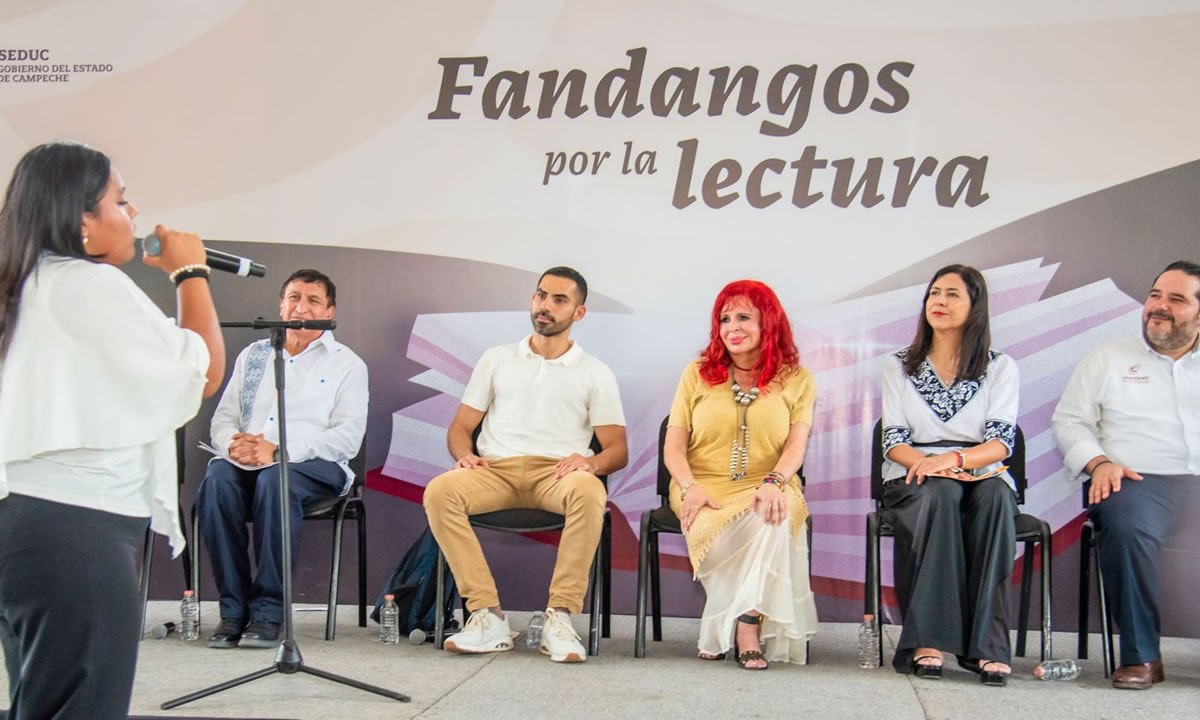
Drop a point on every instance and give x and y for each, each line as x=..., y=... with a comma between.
x=158, y=632
x=216, y=259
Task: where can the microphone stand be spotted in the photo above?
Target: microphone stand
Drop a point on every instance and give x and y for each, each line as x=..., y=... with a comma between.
x=287, y=659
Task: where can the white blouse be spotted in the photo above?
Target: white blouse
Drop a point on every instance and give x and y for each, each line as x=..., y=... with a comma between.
x=93, y=386
x=920, y=410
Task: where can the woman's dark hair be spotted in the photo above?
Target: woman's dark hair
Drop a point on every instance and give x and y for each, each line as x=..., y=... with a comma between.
x=977, y=335
x=50, y=190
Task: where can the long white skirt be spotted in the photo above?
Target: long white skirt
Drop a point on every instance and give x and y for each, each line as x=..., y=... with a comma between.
x=755, y=566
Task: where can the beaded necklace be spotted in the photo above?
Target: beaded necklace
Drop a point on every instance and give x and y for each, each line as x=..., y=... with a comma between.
x=739, y=454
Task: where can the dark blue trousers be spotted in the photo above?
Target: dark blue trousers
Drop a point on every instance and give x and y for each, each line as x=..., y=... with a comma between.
x=229, y=498
x=1131, y=526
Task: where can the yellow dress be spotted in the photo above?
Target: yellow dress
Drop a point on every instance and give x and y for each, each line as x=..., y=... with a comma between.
x=743, y=563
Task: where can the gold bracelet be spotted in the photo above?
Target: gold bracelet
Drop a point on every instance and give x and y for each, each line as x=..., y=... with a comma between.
x=683, y=492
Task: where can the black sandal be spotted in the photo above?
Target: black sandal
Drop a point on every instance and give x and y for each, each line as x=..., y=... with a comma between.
x=718, y=656
x=929, y=672
x=750, y=655
x=991, y=677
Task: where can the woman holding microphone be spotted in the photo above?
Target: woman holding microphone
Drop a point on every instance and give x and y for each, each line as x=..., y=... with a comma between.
x=94, y=380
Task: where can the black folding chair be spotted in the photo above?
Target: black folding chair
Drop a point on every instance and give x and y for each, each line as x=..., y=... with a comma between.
x=1030, y=530
x=663, y=520
x=338, y=509
x=1088, y=549
x=524, y=520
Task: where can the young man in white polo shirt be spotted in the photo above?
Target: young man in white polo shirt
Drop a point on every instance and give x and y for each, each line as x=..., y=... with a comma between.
x=540, y=400
x=1129, y=420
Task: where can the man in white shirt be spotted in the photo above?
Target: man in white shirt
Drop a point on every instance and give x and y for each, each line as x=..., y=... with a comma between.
x=540, y=401
x=1130, y=420
x=326, y=388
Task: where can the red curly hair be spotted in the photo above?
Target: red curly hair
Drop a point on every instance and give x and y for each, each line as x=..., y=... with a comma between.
x=779, y=357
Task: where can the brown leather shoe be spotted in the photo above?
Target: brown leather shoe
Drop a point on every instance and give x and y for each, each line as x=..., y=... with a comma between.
x=1138, y=677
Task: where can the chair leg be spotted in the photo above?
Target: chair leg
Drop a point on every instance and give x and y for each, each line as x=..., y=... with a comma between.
x=335, y=567
x=639, y=626
x=606, y=567
x=1106, y=643
x=1026, y=591
x=655, y=589
x=439, y=612
x=1047, y=550
x=147, y=555
x=597, y=600
x=873, y=578
x=361, y=522
x=196, y=543
x=1085, y=566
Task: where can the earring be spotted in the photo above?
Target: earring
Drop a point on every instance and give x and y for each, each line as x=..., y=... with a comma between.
x=85, y=238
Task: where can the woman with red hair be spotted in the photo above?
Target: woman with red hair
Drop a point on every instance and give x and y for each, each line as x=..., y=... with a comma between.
x=735, y=440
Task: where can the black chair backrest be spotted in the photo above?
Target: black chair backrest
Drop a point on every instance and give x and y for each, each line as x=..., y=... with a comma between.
x=663, y=483
x=1015, y=462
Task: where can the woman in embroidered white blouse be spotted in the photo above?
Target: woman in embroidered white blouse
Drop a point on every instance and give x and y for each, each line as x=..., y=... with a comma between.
x=94, y=379
x=949, y=419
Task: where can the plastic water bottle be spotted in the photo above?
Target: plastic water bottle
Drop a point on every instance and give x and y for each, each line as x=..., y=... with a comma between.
x=389, y=621
x=1066, y=669
x=868, y=644
x=533, y=634
x=189, y=613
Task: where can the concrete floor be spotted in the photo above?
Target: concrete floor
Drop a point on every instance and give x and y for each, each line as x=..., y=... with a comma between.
x=668, y=683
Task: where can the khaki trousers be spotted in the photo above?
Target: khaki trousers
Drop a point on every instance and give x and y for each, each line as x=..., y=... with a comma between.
x=518, y=482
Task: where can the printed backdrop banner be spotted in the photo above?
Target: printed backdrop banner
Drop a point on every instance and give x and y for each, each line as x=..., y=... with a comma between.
x=435, y=157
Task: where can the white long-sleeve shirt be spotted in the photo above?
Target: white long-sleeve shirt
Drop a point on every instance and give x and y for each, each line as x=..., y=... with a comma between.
x=327, y=395
x=1134, y=406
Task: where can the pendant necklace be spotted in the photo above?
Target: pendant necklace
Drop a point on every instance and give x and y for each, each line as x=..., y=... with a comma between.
x=739, y=454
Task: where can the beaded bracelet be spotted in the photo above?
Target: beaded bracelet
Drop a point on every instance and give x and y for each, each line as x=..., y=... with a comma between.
x=185, y=272
x=775, y=478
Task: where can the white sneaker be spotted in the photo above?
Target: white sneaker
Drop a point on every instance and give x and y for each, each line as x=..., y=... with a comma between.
x=559, y=639
x=485, y=632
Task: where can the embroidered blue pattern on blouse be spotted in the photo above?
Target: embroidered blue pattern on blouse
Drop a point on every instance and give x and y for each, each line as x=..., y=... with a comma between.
x=256, y=365
x=945, y=402
x=1005, y=432
x=896, y=435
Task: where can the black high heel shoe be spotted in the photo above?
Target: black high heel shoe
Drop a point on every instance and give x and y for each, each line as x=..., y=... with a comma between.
x=929, y=672
x=749, y=655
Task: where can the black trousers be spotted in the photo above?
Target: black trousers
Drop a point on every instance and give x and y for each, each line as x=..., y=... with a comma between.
x=954, y=550
x=1131, y=526
x=69, y=608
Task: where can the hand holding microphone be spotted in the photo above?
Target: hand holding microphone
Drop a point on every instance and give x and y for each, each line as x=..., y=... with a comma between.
x=172, y=249
x=160, y=242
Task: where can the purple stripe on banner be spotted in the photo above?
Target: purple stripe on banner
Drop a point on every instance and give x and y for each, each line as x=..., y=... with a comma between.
x=411, y=470
x=438, y=410
x=844, y=489
x=431, y=355
x=1043, y=466
x=1037, y=420
x=1031, y=345
x=1014, y=298
x=854, y=525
